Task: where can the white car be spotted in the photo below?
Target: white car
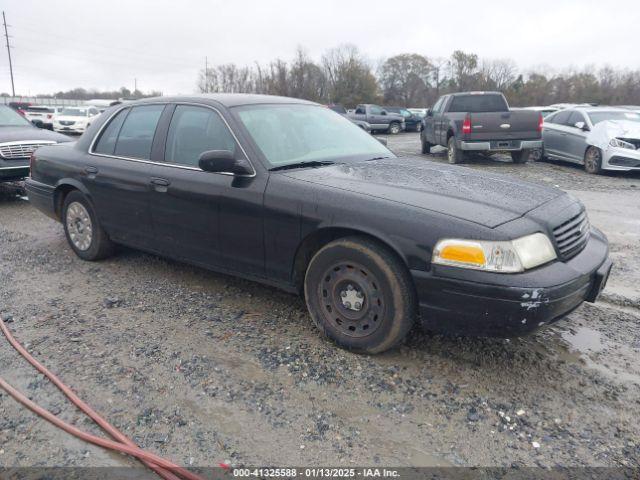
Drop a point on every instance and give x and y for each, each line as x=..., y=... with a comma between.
x=545, y=111
x=600, y=138
x=41, y=115
x=74, y=119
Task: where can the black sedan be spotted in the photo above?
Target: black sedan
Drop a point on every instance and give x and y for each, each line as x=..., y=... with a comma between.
x=289, y=193
x=18, y=139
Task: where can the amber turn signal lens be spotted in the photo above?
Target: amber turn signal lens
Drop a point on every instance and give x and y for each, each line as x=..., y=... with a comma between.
x=463, y=254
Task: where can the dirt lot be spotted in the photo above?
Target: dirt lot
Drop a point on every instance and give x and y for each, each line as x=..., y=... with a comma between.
x=202, y=368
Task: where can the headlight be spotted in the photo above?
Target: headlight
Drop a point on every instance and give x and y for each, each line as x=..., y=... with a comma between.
x=617, y=142
x=505, y=257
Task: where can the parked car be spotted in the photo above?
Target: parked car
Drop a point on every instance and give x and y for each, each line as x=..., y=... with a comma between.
x=420, y=111
x=74, y=119
x=480, y=122
x=19, y=138
x=412, y=121
x=339, y=108
x=42, y=115
x=600, y=138
x=19, y=107
x=545, y=111
x=379, y=119
x=285, y=192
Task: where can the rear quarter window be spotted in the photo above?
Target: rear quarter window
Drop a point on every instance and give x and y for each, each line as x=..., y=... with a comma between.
x=136, y=135
x=107, y=141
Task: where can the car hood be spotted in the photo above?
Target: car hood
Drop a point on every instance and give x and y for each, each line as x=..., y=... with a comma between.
x=16, y=134
x=603, y=132
x=475, y=196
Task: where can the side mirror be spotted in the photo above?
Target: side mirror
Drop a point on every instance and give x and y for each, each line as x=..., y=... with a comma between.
x=384, y=112
x=581, y=125
x=223, y=161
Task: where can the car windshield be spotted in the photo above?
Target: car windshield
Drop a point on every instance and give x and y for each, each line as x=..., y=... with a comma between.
x=10, y=118
x=597, y=117
x=288, y=134
x=74, y=112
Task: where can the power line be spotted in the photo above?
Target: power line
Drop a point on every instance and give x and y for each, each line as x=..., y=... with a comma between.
x=6, y=36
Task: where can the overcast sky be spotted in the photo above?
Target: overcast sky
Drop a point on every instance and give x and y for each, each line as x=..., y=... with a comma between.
x=62, y=44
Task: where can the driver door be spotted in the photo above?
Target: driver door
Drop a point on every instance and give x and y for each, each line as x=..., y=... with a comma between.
x=211, y=219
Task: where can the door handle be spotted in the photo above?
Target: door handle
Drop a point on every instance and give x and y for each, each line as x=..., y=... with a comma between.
x=91, y=170
x=162, y=182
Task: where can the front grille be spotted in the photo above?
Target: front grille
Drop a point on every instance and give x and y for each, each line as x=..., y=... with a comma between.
x=571, y=236
x=66, y=123
x=16, y=150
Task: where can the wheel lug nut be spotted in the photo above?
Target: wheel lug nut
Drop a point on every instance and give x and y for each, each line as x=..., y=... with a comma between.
x=343, y=294
x=359, y=294
x=358, y=306
x=347, y=304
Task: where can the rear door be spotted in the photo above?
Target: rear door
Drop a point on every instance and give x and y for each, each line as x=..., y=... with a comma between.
x=117, y=174
x=212, y=219
x=576, y=139
x=554, y=134
x=378, y=120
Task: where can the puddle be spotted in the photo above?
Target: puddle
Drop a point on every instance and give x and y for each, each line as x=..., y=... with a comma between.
x=583, y=340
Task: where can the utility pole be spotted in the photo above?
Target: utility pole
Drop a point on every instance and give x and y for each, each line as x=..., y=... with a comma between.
x=135, y=85
x=6, y=36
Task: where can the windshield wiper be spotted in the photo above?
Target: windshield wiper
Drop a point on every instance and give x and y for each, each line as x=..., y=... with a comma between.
x=309, y=163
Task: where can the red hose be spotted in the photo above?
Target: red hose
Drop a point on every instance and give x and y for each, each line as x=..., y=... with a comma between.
x=162, y=467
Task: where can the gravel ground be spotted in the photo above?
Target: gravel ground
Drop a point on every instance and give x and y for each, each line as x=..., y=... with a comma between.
x=201, y=367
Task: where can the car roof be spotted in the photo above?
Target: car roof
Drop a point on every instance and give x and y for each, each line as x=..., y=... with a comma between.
x=227, y=99
x=599, y=109
x=478, y=92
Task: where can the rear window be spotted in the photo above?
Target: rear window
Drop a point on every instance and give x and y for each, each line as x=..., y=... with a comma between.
x=40, y=109
x=478, y=103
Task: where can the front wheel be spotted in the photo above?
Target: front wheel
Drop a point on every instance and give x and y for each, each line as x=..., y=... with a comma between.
x=521, y=156
x=85, y=235
x=593, y=160
x=394, y=128
x=360, y=295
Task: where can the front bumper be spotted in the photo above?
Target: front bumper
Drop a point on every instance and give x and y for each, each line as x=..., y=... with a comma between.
x=508, y=305
x=13, y=169
x=500, y=146
x=68, y=129
x=623, y=159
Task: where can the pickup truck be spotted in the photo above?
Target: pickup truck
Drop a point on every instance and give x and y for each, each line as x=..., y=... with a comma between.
x=379, y=118
x=481, y=122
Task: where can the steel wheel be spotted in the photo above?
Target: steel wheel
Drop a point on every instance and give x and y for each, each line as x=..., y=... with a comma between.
x=79, y=226
x=352, y=299
x=394, y=128
x=593, y=160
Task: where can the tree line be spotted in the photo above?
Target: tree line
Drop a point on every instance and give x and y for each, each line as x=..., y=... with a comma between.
x=344, y=75
x=90, y=94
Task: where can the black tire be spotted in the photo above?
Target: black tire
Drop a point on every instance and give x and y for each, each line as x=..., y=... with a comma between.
x=79, y=217
x=394, y=128
x=537, y=155
x=426, y=146
x=593, y=160
x=521, y=156
x=454, y=154
x=352, y=266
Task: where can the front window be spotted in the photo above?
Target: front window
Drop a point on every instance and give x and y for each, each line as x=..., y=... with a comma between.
x=74, y=112
x=597, y=117
x=10, y=118
x=288, y=134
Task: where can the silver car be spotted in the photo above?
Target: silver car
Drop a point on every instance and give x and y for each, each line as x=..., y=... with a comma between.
x=600, y=138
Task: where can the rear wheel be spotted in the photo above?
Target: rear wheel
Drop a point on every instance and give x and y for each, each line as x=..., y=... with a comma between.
x=360, y=295
x=593, y=160
x=85, y=235
x=521, y=156
x=454, y=154
x=394, y=128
